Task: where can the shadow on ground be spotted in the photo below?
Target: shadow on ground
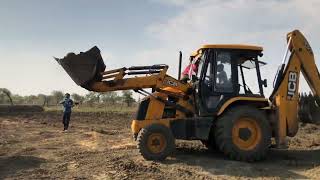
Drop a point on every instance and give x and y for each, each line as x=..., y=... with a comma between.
x=11, y=165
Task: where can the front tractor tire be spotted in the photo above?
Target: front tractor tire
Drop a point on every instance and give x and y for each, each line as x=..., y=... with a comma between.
x=155, y=142
x=243, y=133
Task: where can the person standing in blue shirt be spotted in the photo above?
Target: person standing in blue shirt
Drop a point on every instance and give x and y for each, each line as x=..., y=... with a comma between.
x=67, y=106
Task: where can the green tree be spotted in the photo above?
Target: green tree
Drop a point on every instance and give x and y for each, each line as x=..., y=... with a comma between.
x=77, y=98
x=3, y=98
x=7, y=93
x=50, y=100
x=43, y=99
x=127, y=98
x=57, y=96
x=17, y=99
x=109, y=97
x=92, y=98
x=32, y=99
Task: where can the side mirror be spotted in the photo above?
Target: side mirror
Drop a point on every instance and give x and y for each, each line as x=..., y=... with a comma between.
x=264, y=83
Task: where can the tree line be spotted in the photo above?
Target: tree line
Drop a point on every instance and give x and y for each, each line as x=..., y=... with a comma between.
x=54, y=98
x=308, y=101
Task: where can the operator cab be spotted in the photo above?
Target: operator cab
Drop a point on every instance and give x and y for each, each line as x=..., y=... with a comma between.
x=225, y=72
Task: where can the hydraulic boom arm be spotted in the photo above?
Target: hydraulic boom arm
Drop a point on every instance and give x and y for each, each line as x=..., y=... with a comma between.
x=285, y=97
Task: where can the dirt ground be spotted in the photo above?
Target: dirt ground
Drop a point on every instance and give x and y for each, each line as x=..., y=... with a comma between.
x=100, y=146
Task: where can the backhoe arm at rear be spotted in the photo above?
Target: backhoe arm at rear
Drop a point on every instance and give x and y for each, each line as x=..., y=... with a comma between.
x=285, y=97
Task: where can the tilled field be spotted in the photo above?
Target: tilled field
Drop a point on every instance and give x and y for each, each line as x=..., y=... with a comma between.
x=100, y=146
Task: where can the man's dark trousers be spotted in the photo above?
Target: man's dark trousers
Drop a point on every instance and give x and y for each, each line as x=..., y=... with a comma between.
x=66, y=119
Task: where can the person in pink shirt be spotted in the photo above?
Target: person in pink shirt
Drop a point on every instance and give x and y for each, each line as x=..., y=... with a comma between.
x=191, y=69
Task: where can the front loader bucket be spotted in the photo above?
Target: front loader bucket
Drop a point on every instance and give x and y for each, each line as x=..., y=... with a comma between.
x=84, y=68
x=309, y=111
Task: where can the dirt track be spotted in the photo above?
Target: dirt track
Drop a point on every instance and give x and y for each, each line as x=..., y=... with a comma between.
x=99, y=146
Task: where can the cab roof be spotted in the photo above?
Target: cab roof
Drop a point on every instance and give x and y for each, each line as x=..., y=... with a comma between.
x=231, y=46
x=194, y=54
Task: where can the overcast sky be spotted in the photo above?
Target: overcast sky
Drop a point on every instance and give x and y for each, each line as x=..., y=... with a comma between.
x=139, y=33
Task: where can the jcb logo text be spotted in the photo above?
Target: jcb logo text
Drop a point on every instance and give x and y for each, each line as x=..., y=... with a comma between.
x=292, y=84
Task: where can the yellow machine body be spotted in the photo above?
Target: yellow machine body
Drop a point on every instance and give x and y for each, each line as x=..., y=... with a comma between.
x=183, y=107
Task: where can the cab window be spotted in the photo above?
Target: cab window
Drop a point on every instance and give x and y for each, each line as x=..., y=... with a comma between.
x=223, y=72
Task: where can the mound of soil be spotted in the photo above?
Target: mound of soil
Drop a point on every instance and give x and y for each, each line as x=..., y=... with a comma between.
x=20, y=108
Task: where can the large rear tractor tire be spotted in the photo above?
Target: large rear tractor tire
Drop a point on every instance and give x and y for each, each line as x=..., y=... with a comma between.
x=243, y=133
x=155, y=142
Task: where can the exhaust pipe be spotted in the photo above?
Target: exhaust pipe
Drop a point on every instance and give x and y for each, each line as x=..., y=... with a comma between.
x=84, y=68
x=180, y=64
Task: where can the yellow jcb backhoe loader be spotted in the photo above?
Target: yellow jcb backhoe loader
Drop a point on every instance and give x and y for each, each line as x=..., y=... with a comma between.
x=216, y=106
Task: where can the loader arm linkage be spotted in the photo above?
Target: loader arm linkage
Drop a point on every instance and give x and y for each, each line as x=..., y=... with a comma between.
x=154, y=77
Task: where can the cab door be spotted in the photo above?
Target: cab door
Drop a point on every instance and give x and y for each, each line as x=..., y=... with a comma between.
x=218, y=80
